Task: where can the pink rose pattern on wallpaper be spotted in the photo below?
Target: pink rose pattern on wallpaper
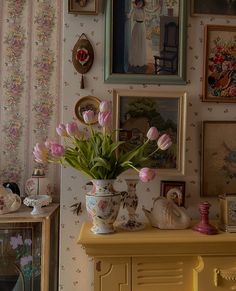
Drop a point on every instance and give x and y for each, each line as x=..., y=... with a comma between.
x=222, y=77
x=30, y=83
x=44, y=64
x=13, y=88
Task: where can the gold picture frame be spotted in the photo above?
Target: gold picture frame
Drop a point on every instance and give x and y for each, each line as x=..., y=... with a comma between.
x=218, y=158
x=133, y=124
x=87, y=7
x=87, y=103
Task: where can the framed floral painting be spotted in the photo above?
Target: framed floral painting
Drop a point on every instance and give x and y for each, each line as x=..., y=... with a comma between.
x=220, y=60
x=137, y=111
x=145, y=41
x=218, y=166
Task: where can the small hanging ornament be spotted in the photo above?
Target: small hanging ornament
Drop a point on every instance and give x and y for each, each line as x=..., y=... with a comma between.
x=82, y=57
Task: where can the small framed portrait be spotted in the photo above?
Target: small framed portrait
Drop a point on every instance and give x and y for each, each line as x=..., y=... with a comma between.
x=216, y=7
x=83, y=7
x=220, y=59
x=87, y=103
x=174, y=190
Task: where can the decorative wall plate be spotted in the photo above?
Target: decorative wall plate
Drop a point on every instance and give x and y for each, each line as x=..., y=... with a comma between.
x=82, y=56
x=87, y=103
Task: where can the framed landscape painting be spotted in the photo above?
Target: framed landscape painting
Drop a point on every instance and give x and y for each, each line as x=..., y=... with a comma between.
x=137, y=111
x=218, y=170
x=217, y=7
x=220, y=64
x=145, y=41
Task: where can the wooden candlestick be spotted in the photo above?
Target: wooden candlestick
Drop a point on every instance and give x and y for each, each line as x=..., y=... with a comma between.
x=204, y=226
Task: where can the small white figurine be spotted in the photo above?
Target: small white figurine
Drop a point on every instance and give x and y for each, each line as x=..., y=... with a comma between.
x=165, y=214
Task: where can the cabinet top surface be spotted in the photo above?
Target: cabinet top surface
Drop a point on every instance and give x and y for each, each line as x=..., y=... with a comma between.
x=156, y=241
x=23, y=214
x=151, y=235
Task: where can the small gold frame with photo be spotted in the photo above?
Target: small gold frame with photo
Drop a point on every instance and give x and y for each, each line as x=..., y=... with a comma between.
x=87, y=7
x=87, y=103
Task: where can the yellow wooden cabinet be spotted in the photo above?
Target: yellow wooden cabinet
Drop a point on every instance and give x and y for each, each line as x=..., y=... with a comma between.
x=161, y=260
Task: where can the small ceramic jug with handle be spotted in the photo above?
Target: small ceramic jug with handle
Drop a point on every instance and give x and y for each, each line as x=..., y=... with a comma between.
x=9, y=202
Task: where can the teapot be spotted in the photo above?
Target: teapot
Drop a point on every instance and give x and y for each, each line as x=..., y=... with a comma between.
x=9, y=201
x=165, y=214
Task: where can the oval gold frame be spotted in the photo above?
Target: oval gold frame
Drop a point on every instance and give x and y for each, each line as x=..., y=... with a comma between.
x=89, y=103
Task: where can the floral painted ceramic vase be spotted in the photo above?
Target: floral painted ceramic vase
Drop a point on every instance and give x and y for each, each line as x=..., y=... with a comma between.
x=130, y=202
x=38, y=184
x=103, y=204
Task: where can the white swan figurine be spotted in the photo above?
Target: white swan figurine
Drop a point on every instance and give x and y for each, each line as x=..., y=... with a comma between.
x=165, y=214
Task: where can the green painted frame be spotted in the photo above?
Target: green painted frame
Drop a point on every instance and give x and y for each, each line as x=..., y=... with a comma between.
x=127, y=78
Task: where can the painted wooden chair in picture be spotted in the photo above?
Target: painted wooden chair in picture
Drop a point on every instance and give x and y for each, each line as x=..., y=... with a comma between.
x=167, y=61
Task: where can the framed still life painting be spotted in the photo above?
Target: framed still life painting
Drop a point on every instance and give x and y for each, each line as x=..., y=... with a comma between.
x=218, y=167
x=220, y=64
x=145, y=41
x=137, y=111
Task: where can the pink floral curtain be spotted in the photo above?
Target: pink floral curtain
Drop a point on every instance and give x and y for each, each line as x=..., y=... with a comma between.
x=30, y=36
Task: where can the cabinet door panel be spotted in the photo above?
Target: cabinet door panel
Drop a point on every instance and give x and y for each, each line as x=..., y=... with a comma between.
x=112, y=274
x=218, y=273
x=163, y=273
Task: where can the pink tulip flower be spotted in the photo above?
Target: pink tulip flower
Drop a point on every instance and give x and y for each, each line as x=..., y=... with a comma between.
x=164, y=142
x=61, y=130
x=152, y=133
x=105, y=106
x=147, y=174
x=89, y=116
x=40, y=153
x=57, y=150
x=105, y=119
x=72, y=129
x=49, y=143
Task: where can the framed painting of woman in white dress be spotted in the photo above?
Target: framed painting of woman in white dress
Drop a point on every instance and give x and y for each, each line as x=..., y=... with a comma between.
x=145, y=41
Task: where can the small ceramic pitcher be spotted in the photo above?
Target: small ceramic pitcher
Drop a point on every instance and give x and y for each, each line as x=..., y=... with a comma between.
x=9, y=202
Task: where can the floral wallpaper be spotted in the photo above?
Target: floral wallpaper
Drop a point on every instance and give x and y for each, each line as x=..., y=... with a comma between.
x=76, y=269
x=30, y=83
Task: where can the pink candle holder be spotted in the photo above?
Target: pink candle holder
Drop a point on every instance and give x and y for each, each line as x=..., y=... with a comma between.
x=204, y=226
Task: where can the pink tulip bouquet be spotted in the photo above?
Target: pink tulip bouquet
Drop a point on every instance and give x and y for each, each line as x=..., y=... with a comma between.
x=99, y=156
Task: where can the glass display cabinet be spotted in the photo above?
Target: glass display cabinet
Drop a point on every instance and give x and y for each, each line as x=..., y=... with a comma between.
x=29, y=250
